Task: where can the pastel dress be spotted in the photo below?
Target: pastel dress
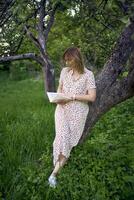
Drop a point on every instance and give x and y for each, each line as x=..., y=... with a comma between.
x=70, y=117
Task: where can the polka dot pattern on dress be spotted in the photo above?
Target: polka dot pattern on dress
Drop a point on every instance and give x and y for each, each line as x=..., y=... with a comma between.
x=70, y=117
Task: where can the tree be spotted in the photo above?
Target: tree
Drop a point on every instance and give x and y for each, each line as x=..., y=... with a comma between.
x=115, y=82
x=111, y=89
x=36, y=23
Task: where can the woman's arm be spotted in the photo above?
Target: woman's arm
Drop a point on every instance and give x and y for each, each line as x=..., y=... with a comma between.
x=91, y=96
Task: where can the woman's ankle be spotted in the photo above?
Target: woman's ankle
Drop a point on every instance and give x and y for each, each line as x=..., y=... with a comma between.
x=53, y=174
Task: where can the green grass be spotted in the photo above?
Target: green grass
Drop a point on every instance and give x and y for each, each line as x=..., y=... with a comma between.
x=100, y=169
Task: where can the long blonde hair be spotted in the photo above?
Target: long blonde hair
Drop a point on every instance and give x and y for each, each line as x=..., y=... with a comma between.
x=74, y=52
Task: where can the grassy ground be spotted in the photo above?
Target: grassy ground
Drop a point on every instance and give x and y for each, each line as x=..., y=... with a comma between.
x=100, y=169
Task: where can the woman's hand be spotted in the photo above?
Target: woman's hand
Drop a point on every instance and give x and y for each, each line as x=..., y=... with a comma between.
x=65, y=100
x=62, y=101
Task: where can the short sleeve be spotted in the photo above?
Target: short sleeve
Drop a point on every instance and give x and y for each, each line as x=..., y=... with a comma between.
x=61, y=76
x=90, y=81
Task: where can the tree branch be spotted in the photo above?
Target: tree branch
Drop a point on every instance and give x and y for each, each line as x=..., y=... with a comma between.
x=40, y=25
x=42, y=14
x=32, y=37
x=51, y=21
x=17, y=47
x=4, y=11
x=21, y=57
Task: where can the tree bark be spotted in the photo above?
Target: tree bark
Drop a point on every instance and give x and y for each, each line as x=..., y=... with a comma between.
x=49, y=76
x=111, y=90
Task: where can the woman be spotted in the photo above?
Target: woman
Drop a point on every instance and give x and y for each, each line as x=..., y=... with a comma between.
x=78, y=83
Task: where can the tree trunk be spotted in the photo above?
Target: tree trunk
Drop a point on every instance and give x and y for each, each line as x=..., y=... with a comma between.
x=49, y=77
x=111, y=90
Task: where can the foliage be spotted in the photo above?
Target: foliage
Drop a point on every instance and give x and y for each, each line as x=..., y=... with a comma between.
x=22, y=70
x=90, y=25
x=102, y=168
x=94, y=26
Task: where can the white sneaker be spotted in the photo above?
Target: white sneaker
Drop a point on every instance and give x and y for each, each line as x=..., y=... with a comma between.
x=52, y=181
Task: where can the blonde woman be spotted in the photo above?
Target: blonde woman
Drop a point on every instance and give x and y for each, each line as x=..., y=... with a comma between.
x=78, y=83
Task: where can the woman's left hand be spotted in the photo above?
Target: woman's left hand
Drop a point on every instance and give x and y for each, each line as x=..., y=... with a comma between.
x=65, y=100
x=62, y=101
x=69, y=95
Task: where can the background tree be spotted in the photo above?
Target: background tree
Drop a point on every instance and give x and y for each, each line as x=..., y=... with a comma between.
x=34, y=18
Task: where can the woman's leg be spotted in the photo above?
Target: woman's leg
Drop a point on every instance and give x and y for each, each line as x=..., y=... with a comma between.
x=59, y=164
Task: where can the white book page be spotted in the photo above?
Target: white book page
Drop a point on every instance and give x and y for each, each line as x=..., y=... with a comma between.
x=54, y=96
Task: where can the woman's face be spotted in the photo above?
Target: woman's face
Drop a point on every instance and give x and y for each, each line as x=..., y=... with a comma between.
x=70, y=62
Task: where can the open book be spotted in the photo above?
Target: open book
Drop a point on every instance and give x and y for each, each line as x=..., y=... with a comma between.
x=54, y=96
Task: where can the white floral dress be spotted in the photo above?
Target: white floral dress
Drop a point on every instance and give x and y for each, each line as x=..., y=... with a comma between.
x=70, y=117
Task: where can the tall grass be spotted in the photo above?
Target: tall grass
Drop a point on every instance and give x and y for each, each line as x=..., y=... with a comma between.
x=100, y=169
